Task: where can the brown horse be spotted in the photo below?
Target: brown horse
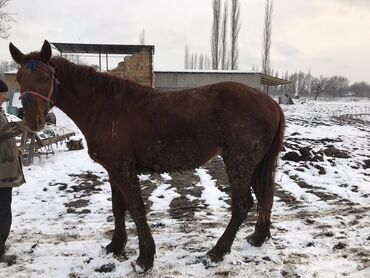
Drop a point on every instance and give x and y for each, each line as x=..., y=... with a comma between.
x=132, y=129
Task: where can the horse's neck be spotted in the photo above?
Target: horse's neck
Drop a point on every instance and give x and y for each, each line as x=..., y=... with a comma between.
x=73, y=101
x=76, y=110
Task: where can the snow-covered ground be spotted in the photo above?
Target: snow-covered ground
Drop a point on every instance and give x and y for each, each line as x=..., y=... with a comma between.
x=62, y=217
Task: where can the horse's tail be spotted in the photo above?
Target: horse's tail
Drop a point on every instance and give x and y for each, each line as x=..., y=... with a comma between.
x=264, y=173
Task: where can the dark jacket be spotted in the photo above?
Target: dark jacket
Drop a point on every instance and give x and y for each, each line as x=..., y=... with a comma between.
x=11, y=174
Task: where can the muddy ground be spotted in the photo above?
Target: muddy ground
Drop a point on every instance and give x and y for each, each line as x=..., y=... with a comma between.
x=320, y=219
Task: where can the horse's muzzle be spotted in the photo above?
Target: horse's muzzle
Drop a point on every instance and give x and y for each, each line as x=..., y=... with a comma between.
x=39, y=123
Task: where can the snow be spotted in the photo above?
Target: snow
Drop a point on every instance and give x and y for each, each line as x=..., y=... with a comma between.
x=162, y=197
x=211, y=194
x=321, y=228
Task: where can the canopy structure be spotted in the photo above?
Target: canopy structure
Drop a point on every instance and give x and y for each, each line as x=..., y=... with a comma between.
x=101, y=49
x=269, y=80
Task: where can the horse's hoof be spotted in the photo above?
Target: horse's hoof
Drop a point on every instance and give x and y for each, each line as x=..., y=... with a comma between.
x=113, y=248
x=140, y=269
x=208, y=262
x=255, y=240
x=213, y=258
x=260, y=235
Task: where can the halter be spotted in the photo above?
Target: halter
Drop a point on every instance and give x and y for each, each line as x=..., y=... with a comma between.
x=26, y=95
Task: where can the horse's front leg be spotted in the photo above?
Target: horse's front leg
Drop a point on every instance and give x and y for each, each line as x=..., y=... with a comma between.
x=135, y=205
x=119, y=238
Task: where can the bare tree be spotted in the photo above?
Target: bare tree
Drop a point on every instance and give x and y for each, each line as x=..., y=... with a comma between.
x=338, y=86
x=360, y=89
x=207, y=62
x=5, y=19
x=196, y=61
x=224, y=62
x=6, y=66
x=201, y=62
x=267, y=38
x=215, y=37
x=142, y=37
x=186, y=58
x=320, y=85
x=235, y=28
x=308, y=82
x=193, y=61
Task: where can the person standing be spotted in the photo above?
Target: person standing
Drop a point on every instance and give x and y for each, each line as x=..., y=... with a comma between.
x=11, y=173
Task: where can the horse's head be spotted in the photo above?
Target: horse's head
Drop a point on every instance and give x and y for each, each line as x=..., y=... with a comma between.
x=37, y=83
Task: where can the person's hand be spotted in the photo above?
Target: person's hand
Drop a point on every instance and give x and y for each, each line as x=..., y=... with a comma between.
x=16, y=127
x=12, y=129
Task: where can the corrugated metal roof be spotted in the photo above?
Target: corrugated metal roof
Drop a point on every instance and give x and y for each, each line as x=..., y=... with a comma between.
x=209, y=71
x=101, y=48
x=265, y=79
x=273, y=81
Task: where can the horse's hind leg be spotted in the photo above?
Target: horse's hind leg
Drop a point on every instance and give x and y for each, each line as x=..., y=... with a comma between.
x=239, y=170
x=119, y=238
x=262, y=228
x=263, y=187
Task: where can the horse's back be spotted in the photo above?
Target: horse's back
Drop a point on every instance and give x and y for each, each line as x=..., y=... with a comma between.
x=184, y=129
x=226, y=102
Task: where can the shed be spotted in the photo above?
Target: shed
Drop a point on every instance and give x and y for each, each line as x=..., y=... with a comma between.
x=178, y=80
x=138, y=66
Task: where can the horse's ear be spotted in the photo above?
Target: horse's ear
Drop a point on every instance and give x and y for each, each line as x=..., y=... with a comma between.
x=45, y=52
x=17, y=55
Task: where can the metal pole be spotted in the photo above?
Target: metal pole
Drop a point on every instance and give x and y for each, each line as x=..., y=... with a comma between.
x=106, y=60
x=99, y=60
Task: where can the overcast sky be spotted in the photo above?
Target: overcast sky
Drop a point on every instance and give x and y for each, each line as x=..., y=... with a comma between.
x=329, y=37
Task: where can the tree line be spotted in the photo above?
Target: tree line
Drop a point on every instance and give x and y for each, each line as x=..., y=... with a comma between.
x=307, y=85
x=224, y=55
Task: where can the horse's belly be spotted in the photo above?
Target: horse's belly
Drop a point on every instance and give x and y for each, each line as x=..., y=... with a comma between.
x=176, y=156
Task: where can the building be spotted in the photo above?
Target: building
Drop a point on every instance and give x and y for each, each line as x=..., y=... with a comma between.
x=178, y=80
x=137, y=65
x=10, y=80
x=137, y=62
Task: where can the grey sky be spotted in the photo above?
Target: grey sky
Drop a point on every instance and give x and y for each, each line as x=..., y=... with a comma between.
x=326, y=36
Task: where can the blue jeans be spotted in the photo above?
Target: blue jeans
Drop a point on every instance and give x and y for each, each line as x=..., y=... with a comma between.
x=5, y=213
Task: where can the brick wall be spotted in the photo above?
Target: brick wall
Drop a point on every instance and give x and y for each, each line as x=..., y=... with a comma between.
x=137, y=67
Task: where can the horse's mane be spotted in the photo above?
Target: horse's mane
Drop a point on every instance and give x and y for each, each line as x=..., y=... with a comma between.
x=101, y=83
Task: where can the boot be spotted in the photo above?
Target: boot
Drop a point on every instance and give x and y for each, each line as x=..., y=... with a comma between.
x=8, y=259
